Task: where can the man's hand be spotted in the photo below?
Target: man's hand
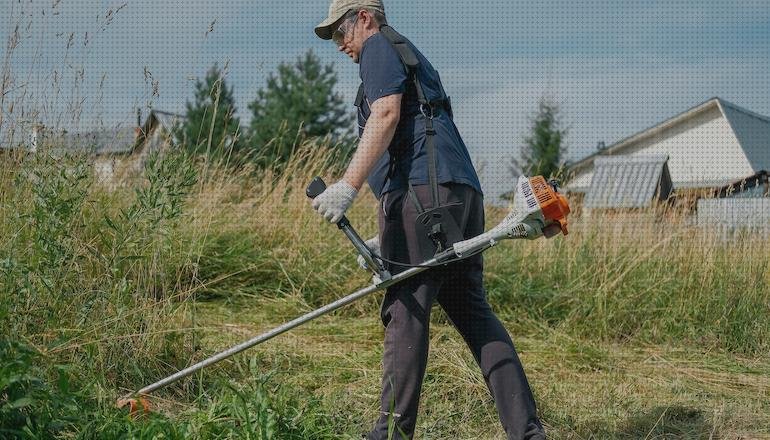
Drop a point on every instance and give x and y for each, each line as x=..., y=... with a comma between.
x=374, y=245
x=335, y=200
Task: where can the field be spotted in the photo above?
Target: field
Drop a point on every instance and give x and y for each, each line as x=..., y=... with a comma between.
x=634, y=327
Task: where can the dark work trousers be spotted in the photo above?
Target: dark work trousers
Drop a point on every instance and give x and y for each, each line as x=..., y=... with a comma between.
x=459, y=290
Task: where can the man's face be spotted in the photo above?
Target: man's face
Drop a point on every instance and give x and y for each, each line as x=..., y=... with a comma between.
x=353, y=33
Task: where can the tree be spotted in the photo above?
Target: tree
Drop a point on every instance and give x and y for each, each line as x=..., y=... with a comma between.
x=211, y=126
x=543, y=151
x=297, y=104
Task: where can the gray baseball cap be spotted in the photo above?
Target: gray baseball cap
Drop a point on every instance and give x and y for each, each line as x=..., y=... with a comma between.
x=338, y=8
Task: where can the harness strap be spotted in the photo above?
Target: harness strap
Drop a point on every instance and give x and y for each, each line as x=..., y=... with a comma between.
x=432, y=173
x=415, y=200
x=411, y=63
x=401, y=44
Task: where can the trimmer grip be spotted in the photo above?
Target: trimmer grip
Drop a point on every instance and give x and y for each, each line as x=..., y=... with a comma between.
x=316, y=187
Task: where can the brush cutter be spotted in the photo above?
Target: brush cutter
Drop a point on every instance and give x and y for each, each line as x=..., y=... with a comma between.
x=538, y=210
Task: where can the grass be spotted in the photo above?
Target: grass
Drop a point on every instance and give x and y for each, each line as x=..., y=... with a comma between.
x=640, y=327
x=585, y=389
x=633, y=327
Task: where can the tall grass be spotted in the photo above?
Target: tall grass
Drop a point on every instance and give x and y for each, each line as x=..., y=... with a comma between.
x=107, y=285
x=642, y=278
x=107, y=281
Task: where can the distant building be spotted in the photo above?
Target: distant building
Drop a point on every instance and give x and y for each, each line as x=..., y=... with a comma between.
x=628, y=182
x=741, y=205
x=708, y=146
x=117, y=152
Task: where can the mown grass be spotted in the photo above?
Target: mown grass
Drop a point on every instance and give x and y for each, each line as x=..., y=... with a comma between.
x=642, y=327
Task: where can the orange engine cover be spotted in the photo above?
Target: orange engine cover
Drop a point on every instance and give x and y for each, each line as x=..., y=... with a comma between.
x=554, y=205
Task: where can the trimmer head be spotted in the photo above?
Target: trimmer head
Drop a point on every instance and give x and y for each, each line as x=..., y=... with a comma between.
x=136, y=407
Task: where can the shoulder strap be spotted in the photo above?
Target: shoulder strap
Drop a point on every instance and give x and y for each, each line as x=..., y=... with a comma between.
x=408, y=58
x=359, y=96
x=411, y=63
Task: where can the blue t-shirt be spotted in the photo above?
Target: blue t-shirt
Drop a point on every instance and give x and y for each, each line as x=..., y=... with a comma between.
x=383, y=74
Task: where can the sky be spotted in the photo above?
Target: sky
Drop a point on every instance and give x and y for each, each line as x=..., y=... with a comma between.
x=613, y=67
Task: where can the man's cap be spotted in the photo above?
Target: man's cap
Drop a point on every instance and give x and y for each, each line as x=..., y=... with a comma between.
x=338, y=8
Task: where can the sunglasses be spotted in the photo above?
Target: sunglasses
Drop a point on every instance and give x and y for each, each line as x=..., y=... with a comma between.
x=338, y=36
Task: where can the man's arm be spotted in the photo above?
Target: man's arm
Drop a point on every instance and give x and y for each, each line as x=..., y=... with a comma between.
x=378, y=133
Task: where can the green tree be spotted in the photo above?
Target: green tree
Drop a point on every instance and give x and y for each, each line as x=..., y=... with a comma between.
x=211, y=126
x=543, y=150
x=298, y=104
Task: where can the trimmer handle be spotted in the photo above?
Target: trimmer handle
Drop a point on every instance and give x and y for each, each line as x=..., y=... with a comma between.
x=316, y=187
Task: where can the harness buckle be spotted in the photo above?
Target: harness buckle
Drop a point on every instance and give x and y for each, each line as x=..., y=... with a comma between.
x=422, y=110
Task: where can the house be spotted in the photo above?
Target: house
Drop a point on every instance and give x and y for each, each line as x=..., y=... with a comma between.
x=117, y=152
x=709, y=146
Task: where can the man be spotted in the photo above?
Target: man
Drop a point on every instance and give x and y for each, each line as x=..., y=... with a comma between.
x=397, y=134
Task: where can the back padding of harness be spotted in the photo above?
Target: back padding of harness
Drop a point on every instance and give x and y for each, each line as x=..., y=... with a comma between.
x=401, y=44
x=436, y=228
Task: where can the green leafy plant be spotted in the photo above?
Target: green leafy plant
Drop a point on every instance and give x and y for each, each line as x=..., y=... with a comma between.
x=142, y=230
x=29, y=407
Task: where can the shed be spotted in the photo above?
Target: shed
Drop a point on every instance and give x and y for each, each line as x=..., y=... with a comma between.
x=735, y=213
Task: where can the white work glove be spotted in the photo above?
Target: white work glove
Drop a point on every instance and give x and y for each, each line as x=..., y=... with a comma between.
x=335, y=200
x=373, y=244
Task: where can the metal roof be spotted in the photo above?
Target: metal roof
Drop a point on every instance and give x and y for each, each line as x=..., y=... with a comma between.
x=116, y=140
x=110, y=141
x=628, y=181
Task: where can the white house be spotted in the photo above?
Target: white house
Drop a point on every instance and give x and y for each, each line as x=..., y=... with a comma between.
x=708, y=146
x=116, y=152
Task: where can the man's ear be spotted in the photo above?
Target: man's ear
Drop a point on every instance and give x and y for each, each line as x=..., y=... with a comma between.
x=368, y=19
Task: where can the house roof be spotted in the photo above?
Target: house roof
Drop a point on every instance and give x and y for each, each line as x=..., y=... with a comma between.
x=627, y=181
x=166, y=120
x=121, y=139
x=743, y=185
x=751, y=129
x=115, y=140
